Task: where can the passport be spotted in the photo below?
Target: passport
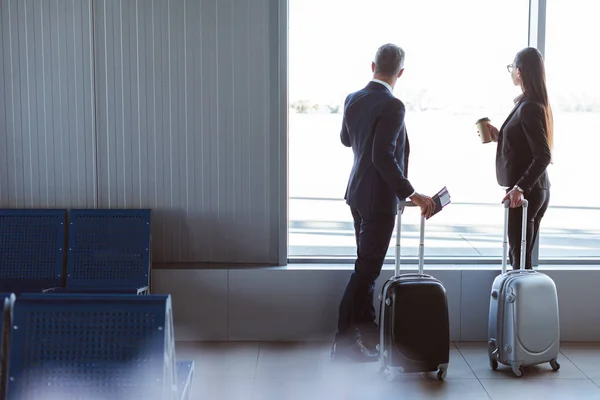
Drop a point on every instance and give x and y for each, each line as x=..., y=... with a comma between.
x=441, y=200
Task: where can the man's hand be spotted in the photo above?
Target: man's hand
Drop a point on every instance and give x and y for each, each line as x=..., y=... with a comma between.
x=425, y=202
x=516, y=198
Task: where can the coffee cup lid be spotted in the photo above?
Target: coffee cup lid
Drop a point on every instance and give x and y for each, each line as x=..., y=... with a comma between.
x=482, y=120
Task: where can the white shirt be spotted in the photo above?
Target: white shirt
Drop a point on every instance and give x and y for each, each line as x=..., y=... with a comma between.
x=387, y=85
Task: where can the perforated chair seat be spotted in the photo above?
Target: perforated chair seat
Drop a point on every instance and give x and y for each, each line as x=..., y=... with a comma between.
x=70, y=346
x=109, y=249
x=32, y=249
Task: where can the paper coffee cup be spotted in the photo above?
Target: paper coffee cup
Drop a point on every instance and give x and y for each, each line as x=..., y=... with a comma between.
x=484, y=130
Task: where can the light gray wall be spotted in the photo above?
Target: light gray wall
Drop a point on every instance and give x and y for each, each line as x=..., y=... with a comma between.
x=290, y=304
x=46, y=105
x=179, y=106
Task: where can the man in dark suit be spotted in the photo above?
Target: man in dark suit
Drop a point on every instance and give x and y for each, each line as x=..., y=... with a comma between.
x=373, y=125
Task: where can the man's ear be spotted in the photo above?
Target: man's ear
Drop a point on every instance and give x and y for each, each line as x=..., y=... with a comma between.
x=400, y=73
x=373, y=66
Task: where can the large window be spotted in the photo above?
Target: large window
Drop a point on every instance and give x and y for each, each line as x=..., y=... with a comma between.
x=456, y=57
x=571, y=228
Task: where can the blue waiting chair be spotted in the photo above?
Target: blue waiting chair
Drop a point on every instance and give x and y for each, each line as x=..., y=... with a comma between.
x=7, y=299
x=108, y=252
x=185, y=376
x=32, y=249
x=92, y=346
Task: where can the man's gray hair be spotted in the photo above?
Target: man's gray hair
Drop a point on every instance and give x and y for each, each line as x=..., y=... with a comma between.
x=389, y=60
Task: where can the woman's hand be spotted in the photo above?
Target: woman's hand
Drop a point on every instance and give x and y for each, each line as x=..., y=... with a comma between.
x=493, y=132
x=515, y=197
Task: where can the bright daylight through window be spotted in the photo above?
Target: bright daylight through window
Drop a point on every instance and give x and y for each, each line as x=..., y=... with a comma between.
x=455, y=73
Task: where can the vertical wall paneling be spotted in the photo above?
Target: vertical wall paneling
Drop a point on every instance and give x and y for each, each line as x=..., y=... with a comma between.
x=189, y=113
x=47, y=118
x=5, y=107
x=175, y=105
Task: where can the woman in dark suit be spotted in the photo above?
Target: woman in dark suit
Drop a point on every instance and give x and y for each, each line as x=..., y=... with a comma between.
x=524, y=151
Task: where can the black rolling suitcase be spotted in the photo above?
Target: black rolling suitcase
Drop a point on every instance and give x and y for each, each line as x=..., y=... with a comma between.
x=414, y=323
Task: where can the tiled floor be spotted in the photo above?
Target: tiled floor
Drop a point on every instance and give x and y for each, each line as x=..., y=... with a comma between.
x=294, y=371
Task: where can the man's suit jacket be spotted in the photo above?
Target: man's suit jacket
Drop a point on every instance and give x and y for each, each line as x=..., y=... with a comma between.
x=373, y=126
x=523, y=153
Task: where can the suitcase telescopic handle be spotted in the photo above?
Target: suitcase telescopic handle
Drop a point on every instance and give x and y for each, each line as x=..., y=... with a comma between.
x=406, y=203
x=401, y=206
x=523, y=235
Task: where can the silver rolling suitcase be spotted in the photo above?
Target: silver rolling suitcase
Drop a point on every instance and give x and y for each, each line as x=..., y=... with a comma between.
x=523, y=321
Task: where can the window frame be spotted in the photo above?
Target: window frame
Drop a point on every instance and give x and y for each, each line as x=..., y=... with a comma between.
x=536, y=38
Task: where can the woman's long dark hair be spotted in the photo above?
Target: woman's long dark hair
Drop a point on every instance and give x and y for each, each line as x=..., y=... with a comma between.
x=530, y=63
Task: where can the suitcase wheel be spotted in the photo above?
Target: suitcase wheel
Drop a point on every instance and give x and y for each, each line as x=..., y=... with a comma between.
x=441, y=375
x=494, y=364
x=518, y=371
x=555, y=365
x=391, y=376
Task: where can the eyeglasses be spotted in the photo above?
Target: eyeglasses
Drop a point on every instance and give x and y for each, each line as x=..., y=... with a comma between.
x=510, y=68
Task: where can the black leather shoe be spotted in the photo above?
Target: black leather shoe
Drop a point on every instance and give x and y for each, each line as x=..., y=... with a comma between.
x=353, y=351
x=370, y=338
